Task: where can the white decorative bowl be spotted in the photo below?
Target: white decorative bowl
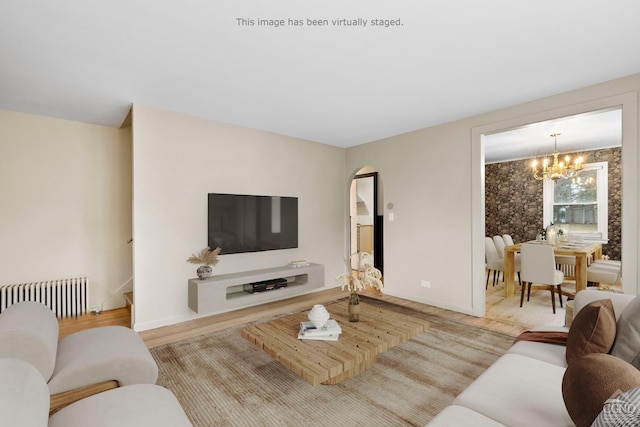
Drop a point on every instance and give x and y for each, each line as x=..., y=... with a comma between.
x=318, y=315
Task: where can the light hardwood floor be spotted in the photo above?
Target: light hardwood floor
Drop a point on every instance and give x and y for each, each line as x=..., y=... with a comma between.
x=502, y=314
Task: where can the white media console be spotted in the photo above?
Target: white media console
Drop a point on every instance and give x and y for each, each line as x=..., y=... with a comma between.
x=227, y=291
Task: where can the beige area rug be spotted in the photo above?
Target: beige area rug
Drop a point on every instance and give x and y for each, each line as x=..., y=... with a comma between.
x=222, y=380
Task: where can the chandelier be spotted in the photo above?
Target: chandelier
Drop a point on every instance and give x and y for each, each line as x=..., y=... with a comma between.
x=558, y=169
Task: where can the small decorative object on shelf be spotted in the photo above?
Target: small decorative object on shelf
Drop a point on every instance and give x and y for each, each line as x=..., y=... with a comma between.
x=299, y=264
x=318, y=315
x=355, y=280
x=206, y=258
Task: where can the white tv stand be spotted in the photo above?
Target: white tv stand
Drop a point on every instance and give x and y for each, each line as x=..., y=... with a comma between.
x=226, y=291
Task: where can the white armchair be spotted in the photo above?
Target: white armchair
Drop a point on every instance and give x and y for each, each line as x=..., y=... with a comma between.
x=87, y=362
x=24, y=402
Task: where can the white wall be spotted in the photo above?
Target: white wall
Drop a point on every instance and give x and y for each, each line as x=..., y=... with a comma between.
x=434, y=178
x=178, y=159
x=65, y=203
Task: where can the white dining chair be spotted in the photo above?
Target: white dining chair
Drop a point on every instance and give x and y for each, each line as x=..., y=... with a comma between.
x=604, y=271
x=494, y=263
x=567, y=263
x=539, y=269
x=498, y=241
x=508, y=240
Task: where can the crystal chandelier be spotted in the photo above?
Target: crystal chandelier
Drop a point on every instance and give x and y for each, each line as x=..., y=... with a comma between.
x=558, y=169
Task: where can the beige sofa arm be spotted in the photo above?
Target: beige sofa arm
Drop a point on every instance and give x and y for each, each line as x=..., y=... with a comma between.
x=587, y=296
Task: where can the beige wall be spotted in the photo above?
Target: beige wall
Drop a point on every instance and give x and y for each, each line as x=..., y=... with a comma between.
x=65, y=203
x=435, y=179
x=429, y=238
x=65, y=189
x=178, y=159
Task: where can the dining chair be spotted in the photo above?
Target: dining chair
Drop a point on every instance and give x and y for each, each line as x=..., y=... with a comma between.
x=539, y=268
x=508, y=240
x=567, y=263
x=494, y=263
x=498, y=241
x=604, y=271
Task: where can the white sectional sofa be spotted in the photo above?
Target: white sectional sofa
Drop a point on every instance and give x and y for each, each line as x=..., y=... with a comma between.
x=524, y=387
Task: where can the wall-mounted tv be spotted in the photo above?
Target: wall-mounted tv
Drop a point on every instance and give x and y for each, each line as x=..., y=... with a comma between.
x=242, y=223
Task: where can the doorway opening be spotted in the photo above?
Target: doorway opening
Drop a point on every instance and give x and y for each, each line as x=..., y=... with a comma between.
x=629, y=246
x=365, y=224
x=521, y=206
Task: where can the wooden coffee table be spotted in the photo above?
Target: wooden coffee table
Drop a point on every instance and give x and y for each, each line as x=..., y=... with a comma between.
x=331, y=362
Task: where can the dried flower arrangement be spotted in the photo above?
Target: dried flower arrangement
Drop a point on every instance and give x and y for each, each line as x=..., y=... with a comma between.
x=366, y=275
x=205, y=257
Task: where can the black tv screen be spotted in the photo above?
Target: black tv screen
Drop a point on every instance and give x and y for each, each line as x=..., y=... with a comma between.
x=242, y=223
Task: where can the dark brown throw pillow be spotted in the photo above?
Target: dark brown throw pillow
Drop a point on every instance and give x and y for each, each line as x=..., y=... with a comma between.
x=593, y=330
x=589, y=381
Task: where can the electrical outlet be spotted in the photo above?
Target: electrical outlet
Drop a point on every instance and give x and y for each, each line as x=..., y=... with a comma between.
x=425, y=283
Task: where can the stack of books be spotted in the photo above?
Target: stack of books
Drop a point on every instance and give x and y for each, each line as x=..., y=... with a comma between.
x=329, y=332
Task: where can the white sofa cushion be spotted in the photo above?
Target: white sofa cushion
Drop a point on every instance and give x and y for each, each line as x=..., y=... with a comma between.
x=138, y=405
x=24, y=396
x=519, y=391
x=459, y=416
x=102, y=354
x=550, y=353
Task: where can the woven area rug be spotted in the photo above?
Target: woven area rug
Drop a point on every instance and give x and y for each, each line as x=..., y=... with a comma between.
x=222, y=380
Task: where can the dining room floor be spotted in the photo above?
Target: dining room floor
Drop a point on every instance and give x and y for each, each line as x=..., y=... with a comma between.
x=537, y=311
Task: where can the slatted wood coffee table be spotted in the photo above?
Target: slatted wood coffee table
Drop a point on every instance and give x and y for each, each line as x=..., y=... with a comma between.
x=331, y=362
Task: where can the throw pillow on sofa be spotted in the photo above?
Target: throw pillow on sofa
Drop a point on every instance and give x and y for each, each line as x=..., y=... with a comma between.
x=591, y=380
x=593, y=330
x=620, y=410
x=627, y=343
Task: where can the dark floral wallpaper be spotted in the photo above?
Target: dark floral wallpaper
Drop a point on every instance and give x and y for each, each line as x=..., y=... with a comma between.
x=513, y=199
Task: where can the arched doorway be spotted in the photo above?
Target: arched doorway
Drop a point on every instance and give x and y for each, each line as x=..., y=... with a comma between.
x=365, y=223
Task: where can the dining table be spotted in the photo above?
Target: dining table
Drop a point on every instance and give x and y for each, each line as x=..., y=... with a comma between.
x=584, y=251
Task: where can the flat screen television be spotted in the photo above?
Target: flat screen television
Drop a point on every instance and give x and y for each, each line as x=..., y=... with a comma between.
x=242, y=223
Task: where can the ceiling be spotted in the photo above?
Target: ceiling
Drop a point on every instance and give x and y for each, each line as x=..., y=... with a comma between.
x=578, y=133
x=89, y=61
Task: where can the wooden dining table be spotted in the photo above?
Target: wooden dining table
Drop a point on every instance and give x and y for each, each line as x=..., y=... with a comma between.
x=583, y=251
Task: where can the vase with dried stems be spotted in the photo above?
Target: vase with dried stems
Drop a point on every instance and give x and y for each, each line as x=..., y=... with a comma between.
x=205, y=258
x=365, y=275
